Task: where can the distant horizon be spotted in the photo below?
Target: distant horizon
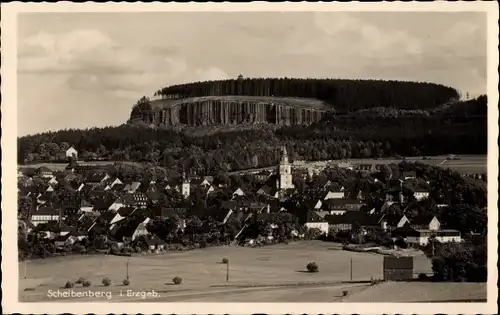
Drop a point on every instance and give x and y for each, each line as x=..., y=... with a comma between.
x=88, y=69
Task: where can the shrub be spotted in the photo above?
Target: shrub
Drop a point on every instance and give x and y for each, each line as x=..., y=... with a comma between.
x=177, y=280
x=126, y=282
x=345, y=293
x=86, y=283
x=138, y=249
x=225, y=260
x=106, y=282
x=69, y=284
x=80, y=280
x=422, y=277
x=312, y=267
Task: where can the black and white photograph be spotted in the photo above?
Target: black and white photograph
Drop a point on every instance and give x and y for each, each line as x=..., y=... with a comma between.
x=291, y=154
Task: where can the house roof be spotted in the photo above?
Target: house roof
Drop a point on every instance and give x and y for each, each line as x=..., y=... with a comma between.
x=354, y=217
x=393, y=262
x=126, y=230
x=126, y=211
x=46, y=211
x=392, y=219
x=314, y=217
x=102, y=204
x=422, y=219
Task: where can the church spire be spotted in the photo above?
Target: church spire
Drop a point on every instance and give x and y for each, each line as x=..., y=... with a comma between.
x=284, y=155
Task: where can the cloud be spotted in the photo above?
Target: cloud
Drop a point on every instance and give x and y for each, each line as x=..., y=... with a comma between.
x=94, y=62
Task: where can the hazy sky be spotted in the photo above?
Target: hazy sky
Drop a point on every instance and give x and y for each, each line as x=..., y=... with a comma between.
x=79, y=70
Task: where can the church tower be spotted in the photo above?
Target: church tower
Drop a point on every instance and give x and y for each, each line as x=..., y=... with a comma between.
x=285, y=171
x=186, y=186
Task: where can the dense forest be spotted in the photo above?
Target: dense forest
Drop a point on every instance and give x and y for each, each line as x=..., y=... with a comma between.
x=443, y=131
x=342, y=95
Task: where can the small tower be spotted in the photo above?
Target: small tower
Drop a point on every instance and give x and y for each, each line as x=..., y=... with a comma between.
x=186, y=186
x=285, y=171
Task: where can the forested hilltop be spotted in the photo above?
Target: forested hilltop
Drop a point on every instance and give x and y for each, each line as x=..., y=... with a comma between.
x=343, y=95
x=454, y=127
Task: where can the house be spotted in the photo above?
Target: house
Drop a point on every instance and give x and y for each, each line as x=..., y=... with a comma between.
x=364, y=167
x=421, y=193
x=425, y=222
x=314, y=221
x=200, y=182
x=337, y=194
x=96, y=179
x=393, y=221
x=340, y=206
x=353, y=220
x=130, y=231
x=420, y=237
x=136, y=199
x=86, y=206
x=117, y=204
x=132, y=187
x=45, y=214
x=408, y=175
x=102, y=204
x=72, y=153
x=49, y=229
x=65, y=240
x=44, y=172
x=398, y=268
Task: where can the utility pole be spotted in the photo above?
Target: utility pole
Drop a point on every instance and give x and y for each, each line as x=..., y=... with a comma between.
x=127, y=268
x=351, y=269
x=227, y=271
x=25, y=269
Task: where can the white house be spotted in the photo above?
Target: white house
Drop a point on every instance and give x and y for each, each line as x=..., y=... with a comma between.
x=421, y=194
x=44, y=215
x=421, y=237
x=322, y=226
x=72, y=153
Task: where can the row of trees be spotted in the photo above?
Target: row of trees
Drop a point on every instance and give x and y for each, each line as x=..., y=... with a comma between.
x=343, y=95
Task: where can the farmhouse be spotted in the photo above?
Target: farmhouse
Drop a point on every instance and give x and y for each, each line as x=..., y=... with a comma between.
x=44, y=172
x=314, y=221
x=72, y=153
x=44, y=215
x=421, y=193
x=421, y=237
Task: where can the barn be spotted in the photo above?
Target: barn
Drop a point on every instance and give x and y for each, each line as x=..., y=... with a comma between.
x=398, y=268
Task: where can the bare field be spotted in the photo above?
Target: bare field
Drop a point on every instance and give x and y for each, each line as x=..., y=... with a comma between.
x=252, y=272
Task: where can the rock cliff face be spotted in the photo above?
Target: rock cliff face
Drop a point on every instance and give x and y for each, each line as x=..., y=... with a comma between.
x=220, y=111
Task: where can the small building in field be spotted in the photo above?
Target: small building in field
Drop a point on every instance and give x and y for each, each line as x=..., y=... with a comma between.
x=398, y=268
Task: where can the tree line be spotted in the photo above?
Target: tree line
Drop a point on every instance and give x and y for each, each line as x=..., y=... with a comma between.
x=343, y=95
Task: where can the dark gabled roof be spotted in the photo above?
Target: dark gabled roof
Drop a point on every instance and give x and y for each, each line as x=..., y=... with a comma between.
x=314, y=217
x=106, y=217
x=354, y=217
x=118, y=187
x=153, y=195
x=127, y=230
x=404, y=231
x=343, y=202
x=95, y=178
x=46, y=211
x=102, y=204
x=392, y=219
x=392, y=262
x=421, y=219
x=51, y=226
x=126, y=211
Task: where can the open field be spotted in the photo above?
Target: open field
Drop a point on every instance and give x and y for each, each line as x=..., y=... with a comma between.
x=253, y=271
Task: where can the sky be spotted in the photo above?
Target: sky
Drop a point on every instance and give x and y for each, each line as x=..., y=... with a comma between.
x=83, y=70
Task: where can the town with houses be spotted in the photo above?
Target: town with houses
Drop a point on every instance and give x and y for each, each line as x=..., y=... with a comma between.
x=85, y=205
